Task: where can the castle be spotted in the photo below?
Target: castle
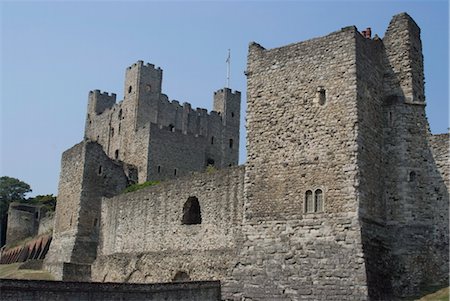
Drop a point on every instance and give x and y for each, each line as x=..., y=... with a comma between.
x=344, y=194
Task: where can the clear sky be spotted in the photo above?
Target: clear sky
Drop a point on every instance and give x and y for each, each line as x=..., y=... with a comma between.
x=54, y=52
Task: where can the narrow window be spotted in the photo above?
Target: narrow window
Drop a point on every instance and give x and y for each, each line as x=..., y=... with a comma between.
x=212, y=139
x=181, y=276
x=36, y=215
x=175, y=172
x=129, y=89
x=96, y=223
x=116, y=154
x=231, y=143
x=120, y=114
x=112, y=132
x=318, y=195
x=159, y=169
x=148, y=88
x=119, y=127
x=100, y=170
x=232, y=114
x=191, y=212
x=309, y=202
x=321, y=94
x=412, y=176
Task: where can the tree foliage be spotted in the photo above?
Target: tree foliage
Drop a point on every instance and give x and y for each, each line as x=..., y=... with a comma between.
x=47, y=200
x=11, y=189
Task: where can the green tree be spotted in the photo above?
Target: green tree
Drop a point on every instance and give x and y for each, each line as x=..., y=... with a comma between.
x=47, y=200
x=11, y=189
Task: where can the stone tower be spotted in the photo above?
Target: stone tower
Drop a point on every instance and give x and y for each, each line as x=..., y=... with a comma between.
x=144, y=137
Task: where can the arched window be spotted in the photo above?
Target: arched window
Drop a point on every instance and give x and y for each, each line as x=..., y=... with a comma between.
x=309, y=201
x=191, y=212
x=181, y=276
x=171, y=127
x=318, y=197
x=412, y=176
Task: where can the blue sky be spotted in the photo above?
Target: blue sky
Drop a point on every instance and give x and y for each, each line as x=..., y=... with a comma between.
x=54, y=52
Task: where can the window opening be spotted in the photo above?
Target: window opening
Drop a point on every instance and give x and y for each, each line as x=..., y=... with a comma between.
x=191, y=212
x=175, y=172
x=309, y=203
x=212, y=139
x=412, y=176
x=159, y=169
x=232, y=114
x=120, y=114
x=100, y=170
x=171, y=128
x=116, y=154
x=321, y=94
x=231, y=143
x=129, y=89
x=318, y=195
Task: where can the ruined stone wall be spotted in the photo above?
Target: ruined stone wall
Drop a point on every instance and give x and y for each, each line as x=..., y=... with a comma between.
x=440, y=145
x=23, y=222
x=87, y=174
x=302, y=127
x=416, y=197
x=403, y=202
x=46, y=223
x=143, y=238
x=169, y=150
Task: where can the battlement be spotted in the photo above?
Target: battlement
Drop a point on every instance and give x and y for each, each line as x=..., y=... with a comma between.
x=100, y=101
x=141, y=64
x=228, y=91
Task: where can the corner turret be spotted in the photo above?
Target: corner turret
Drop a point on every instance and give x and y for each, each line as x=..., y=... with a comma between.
x=228, y=104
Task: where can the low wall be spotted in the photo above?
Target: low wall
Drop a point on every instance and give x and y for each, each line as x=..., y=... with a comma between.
x=58, y=290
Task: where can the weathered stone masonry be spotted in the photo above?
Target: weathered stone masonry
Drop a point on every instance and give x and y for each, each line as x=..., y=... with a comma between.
x=344, y=195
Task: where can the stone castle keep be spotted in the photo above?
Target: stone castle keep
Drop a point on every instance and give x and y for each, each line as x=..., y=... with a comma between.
x=344, y=195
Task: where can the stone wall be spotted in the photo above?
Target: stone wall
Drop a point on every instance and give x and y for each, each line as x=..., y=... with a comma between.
x=23, y=222
x=302, y=126
x=12, y=290
x=440, y=147
x=143, y=238
x=87, y=175
x=46, y=223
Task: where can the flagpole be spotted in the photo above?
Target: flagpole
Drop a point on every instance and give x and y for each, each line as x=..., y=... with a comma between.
x=228, y=68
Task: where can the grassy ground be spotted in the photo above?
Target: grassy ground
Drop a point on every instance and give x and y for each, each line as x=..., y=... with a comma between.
x=11, y=271
x=440, y=295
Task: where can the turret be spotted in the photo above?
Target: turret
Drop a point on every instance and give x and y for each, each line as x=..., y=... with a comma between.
x=404, y=54
x=228, y=105
x=143, y=87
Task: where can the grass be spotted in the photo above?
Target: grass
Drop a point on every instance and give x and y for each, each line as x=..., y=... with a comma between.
x=138, y=186
x=11, y=271
x=440, y=295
